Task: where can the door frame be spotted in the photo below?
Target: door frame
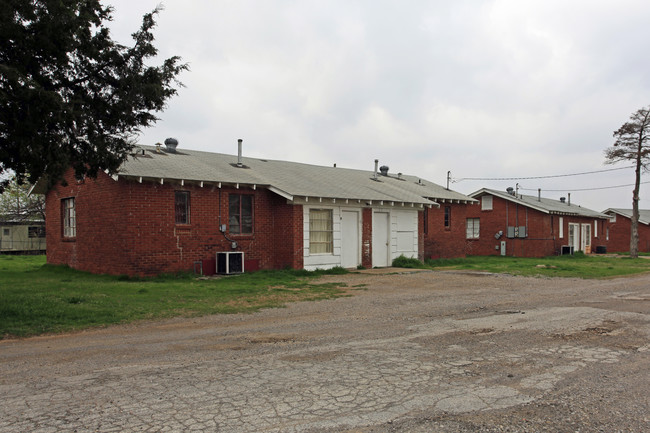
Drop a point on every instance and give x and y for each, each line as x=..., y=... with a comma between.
x=357, y=253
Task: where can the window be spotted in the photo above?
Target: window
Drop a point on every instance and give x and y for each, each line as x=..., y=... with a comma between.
x=486, y=202
x=6, y=232
x=473, y=228
x=182, y=207
x=561, y=227
x=69, y=217
x=240, y=210
x=447, y=217
x=35, y=232
x=595, y=228
x=320, y=231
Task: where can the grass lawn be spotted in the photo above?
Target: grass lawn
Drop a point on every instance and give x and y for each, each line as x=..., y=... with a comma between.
x=36, y=298
x=579, y=265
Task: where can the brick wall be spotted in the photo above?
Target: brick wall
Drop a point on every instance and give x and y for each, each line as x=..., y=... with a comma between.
x=126, y=227
x=445, y=242
x=620, y=233
x=366, y=238
x=542, y=230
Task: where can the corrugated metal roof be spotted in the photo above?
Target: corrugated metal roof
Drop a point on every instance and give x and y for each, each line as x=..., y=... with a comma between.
x=644, y=214
x=289, y=179
x=545, y=205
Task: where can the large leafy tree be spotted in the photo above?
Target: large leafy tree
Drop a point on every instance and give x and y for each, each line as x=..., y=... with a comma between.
x=632, y=144
x=70, y=96
x=18, y=205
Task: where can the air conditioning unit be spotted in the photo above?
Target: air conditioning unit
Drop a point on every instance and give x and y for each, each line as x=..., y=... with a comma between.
x=230, y=262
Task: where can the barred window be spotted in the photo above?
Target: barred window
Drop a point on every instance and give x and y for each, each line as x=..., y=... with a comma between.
x=35, y=232
x=320, y=231
x=182, y=207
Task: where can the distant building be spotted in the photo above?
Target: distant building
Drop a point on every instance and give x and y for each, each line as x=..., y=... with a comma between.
x=22, y=237
x=620, y=227
x=510, y=224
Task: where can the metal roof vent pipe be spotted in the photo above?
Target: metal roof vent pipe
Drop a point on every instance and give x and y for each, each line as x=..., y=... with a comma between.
x=510, y=190
x=539, y=194
x=239, y=141
x=376, y=165
x=562, y=199
x=171, y=144
x=384, y=170
x=569, y=195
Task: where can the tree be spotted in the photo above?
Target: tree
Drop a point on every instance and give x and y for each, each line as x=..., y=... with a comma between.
x=17, y=205
x=69, y=95
x=632, y=145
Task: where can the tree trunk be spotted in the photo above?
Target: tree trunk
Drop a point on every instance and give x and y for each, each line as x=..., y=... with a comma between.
x=634, y=228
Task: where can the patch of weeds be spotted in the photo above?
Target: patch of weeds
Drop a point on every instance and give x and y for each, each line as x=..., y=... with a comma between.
x=407, y=262
x=75, y=300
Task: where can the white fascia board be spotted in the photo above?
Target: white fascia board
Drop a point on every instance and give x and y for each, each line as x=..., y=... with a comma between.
x=280, y=192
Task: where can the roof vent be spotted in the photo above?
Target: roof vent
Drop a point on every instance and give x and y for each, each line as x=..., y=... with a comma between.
x=510, y=190
x=171, y=144
x=384, y=170
x=562, y=199
x=239, y=163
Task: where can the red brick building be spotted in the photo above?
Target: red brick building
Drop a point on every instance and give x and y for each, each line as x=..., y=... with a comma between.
x=510, y=224
x=620, y=227
x=168, y=211
x=444, y=230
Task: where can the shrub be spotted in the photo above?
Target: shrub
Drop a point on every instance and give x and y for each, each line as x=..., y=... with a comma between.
x=406, y=262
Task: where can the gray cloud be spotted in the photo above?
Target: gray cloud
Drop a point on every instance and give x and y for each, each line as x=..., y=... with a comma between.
x=481, y=88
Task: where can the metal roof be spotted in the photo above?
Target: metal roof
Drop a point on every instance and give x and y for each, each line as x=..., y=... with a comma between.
x=545, y=205
x=644, y=214
x=291, y=180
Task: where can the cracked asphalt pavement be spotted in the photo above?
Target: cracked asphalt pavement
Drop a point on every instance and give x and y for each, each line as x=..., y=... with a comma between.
x=411, y=351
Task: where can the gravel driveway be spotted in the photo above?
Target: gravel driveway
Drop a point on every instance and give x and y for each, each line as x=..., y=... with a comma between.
x=416, y=351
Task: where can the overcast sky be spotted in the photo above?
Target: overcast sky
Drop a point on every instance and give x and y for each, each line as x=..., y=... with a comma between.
x=484, y=89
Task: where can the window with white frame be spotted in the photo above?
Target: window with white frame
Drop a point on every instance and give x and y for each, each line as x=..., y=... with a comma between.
x=486, y=202
x=561, y=223
x=595, y=228
x=321, y=235
x=69, y=217
x=473, y=228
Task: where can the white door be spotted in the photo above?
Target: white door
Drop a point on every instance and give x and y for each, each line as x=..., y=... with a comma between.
x=350, y=239
x=585, y=241
x=574, y=236
x=380, y=231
